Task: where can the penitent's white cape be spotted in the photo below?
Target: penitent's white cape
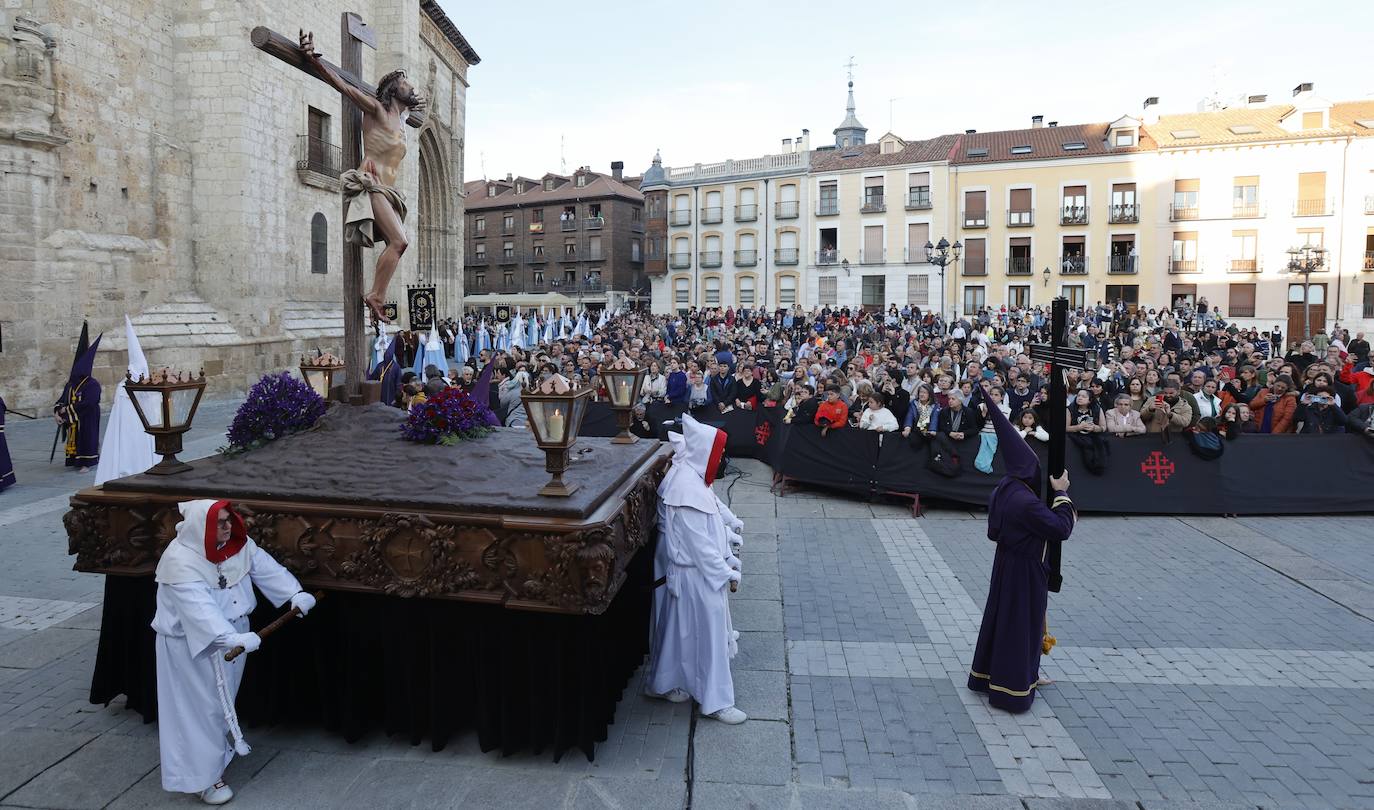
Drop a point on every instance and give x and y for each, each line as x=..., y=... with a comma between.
x=198, y=731
x=692, y=640
x=128, y=449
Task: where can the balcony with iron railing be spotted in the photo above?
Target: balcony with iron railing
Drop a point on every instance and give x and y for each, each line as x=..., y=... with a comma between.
x=788, y=209
x=828, y=256
x=636, y=226
x=878, y=256
x=786, y=256
x=1246, y=211
x=1020, y=219
x=746, y=258
x=712, y=215
x=508, y=229
x=536, y=258
x=975, y=266
x=1177, y=266
x=1123, y=213
x=915, y=255
x=827, y=207
x=1073, y=215
x=872, y=204
x=594, y=223
x=477, y=260
x=319, y=156
x=594, y=255
x=1243, y=266
x=567, y=225
x=1020, y=266
x=918, y=200
x=1312, y=208
x=1182, y=213
x=680, y=217
x=1122, y=264
x=1073, y=265
x=591, y=287
x=679, y=261
x=569, y=255
x=536, y=227
x=746, y=213
x=506, y=257
x=708, y=258
x=1368, y=260
x=975, y=219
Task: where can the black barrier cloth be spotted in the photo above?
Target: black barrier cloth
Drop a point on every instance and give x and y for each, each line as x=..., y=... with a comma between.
x=411, y=667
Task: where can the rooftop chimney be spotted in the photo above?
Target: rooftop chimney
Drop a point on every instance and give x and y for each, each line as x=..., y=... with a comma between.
x=806, y=140
x=1257, y=99
x=1151, y=110
x=1037, y=121
x=509, y=177
x=617, y=169
x=786, y=146
x=970, y=131
x=1305, y=87
x=1054, y=124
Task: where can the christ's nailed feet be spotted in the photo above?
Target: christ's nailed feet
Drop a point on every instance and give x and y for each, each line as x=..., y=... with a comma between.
x=376, y=307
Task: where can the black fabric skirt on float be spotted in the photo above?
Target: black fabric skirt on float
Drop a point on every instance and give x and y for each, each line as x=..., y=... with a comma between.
x=420, y=668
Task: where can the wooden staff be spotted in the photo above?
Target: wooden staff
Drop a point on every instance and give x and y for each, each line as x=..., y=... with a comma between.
x=273, y=627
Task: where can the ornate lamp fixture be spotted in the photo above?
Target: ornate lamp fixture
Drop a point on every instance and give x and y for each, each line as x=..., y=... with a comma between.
x=175, y=397
x=555, y=410
x=623, y=380
x=318, y=372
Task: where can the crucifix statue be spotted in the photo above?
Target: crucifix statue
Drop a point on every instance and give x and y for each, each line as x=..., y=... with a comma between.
x=1059, y=356
x=373, y=142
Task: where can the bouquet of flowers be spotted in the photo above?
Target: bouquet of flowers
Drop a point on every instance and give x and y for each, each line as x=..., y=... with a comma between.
x=448, y=417
x=277, y=405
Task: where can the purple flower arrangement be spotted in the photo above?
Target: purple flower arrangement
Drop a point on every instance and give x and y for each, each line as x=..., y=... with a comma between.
x=448, y=417
x=278, y=405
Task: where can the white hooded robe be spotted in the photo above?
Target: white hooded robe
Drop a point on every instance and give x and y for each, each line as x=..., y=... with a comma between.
x=692, y=639
x=198, y=731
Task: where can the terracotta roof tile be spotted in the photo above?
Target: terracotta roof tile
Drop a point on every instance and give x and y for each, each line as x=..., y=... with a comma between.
x=1256, y=124
x=1046, y=143
x=869, y=155
x=598, y=186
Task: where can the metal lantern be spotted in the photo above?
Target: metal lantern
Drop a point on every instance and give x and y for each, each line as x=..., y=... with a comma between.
x=555, y=410
x=166, y=402
x=318, y=372
x=623, y=379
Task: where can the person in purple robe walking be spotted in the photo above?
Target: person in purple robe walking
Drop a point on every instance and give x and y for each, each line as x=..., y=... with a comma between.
x=79, y=409
x=1006, y=659
x=388, y=374
x=6, y=467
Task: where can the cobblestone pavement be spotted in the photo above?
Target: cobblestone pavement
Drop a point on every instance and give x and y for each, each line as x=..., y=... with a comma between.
x=1203, y=663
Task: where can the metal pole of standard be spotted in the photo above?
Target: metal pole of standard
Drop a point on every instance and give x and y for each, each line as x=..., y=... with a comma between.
x=1306, y=298
x=1059, y=327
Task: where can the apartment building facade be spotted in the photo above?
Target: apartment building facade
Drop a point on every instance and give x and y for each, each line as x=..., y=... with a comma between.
x=728, y=234
x=566, y=242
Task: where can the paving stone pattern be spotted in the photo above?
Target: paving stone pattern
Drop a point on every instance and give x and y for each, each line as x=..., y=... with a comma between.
x=1203, y=663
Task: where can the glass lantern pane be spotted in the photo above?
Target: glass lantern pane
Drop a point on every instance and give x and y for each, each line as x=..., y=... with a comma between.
x=150, y=402
x=315, y=379
x=619, y=389
x=181, y=405
x=549, y=420
x=579, y=411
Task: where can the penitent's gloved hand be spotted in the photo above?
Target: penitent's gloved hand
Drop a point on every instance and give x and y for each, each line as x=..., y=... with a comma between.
x=303, y=602
x=248, y=641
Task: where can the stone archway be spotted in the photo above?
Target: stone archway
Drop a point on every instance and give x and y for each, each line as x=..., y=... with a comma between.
x=434, y=226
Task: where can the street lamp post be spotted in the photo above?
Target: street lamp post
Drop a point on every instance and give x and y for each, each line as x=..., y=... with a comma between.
x=943, y=254
x=1307, y=260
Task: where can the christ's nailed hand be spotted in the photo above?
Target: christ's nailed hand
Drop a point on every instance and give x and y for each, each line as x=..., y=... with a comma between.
x=1060, y=483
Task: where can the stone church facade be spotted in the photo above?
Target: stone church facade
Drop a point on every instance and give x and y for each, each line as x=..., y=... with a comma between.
x=153, y=163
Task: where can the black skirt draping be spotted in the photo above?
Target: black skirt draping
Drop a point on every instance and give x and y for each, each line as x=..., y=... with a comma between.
x=421, y=668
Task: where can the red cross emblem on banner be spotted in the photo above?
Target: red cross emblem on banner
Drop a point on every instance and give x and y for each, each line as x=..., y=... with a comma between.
x=1157, y=467
x=762, y=432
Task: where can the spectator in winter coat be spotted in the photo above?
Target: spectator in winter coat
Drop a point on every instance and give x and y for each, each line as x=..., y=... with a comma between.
x=1167, y=411
x=1275, y=407
x=1122, y=420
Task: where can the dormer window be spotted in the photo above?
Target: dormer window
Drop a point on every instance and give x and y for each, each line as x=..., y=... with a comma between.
x=548, y=184
x=520, y=187
x=1021, y=150
x=889, y=147
x=1124, y=137
x=491, y=191
x=1314, y=119
x=581, y=180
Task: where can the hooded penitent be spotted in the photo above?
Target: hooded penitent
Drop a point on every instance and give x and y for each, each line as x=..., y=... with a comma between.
x=389, y=373
x=128, y=448
x=1017, y=456
x=481, y=392
x=80, y=403
x=6, y=468
x=194, y=555
x=697, y=452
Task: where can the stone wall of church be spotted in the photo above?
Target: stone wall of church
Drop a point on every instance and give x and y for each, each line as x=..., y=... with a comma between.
x=152, y=171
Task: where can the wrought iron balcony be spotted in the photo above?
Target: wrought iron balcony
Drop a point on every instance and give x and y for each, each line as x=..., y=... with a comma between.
x=1243, y=266
x=1123, y=213
x=318, y=155
x=594, y=223
x=1246, y=211
x=1184, y=266
x=594, y=256
x=746, y=213
x=785, y=255
x=1020, y=219
x=508, y=230
x=536, y=258
x=1073, y=265
x=1122, y=264
x=1180, y=213
x=827, y=256
x=591, y=287
x=1073, y=215
x=975, y=267
x=680, y=217
x=536, y=227
x=679, y=261
x=915, y=255
x=746, y=258
x=506, y=258
x=708, y=258
x=872, y=204
x=568, y=255
x=477, y=260
x=567, y=225
x=790, y=209
x=975, y=219
x=711, y=215
x=1311, y=208
x=1020, y=266
x=878, y=256
x=636, y=226
x=827, y=208
x=918, y=200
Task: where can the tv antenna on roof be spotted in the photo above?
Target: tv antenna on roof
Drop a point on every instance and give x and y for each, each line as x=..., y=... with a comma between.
x=562, y=154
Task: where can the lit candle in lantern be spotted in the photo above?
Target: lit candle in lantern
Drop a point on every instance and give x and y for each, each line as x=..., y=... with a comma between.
x=556, y=426
x=624, y=393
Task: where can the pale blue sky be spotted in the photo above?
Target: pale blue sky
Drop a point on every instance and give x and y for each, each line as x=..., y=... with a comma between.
x=708, y=79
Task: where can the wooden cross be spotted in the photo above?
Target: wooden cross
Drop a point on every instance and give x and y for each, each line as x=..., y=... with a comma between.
x=1059, y=356
x=354, y=34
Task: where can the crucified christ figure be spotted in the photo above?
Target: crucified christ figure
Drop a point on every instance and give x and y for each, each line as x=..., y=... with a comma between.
x=375, y=209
